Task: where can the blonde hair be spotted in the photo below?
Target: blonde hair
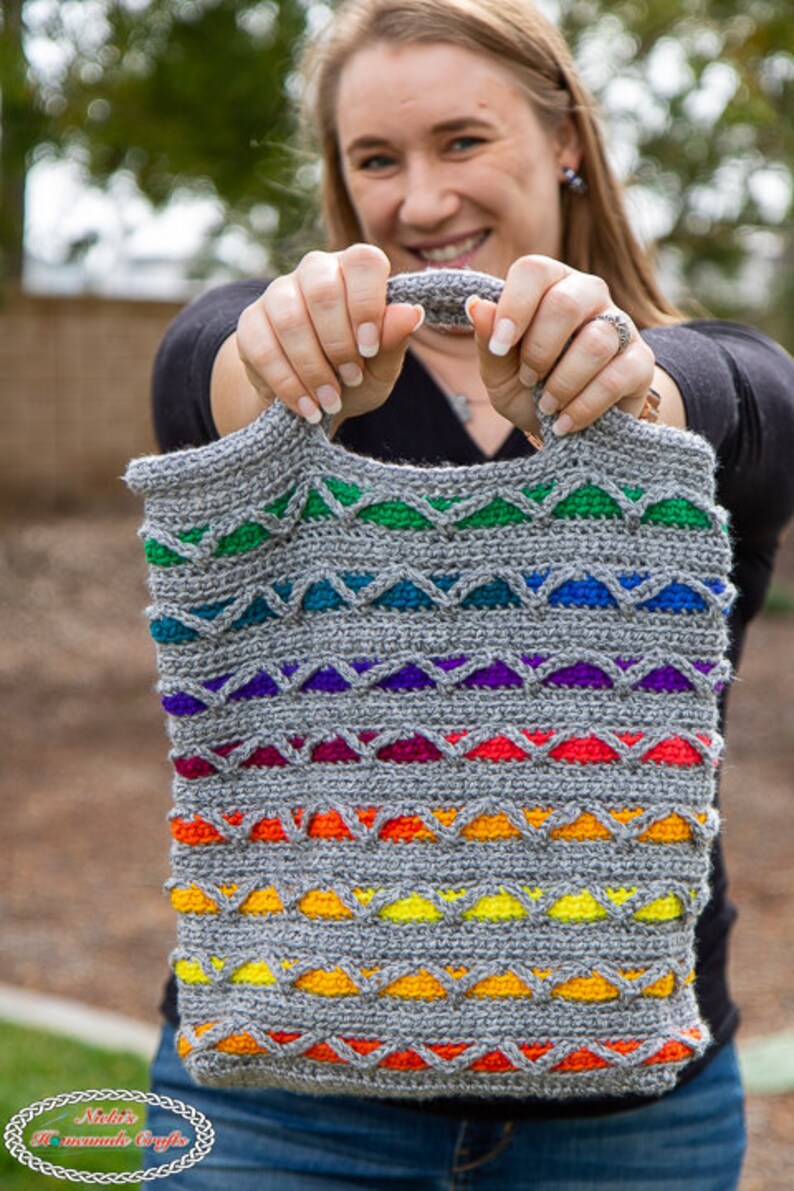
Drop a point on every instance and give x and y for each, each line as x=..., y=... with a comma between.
x=597, y=237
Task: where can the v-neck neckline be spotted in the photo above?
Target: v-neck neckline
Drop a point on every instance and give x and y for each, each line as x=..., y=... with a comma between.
x=441, y=398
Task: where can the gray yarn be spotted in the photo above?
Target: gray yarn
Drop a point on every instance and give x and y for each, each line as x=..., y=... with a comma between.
x=574, y=613
x=443, y=293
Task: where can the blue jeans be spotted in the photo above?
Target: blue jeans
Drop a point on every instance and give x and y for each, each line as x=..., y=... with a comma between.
x=693, y=1139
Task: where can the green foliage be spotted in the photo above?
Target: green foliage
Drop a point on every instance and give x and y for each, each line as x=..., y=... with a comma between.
x=23, y=126
x=698, y=96
x=193, y=93
x=708, y=94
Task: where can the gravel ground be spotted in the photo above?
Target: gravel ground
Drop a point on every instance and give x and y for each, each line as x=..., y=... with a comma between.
x=85, y=786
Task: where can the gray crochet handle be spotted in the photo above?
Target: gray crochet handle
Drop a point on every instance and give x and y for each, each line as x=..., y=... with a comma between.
x=443, y=293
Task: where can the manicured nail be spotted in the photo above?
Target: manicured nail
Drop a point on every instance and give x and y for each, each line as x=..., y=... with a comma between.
x=422, y=314
x=350, y=375
x=562, y=426
x=527, y=377
x=329, y=399
x=308, y=410
x=503, y=336
x=368, y=340
x=469, y=305
x=548, y=404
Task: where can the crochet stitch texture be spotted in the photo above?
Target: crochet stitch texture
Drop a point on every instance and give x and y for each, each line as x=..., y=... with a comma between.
x=444, y=747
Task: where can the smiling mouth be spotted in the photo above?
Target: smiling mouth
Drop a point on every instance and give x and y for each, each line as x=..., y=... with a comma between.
x=451, y=252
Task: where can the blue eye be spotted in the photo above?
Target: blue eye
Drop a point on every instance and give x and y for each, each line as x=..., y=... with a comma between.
x=378, y=161
x=462, y=143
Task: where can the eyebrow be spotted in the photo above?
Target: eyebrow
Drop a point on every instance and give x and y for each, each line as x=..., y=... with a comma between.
x=456, y=125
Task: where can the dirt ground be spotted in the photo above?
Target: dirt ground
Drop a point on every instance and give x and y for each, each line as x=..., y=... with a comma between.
x=85, y=792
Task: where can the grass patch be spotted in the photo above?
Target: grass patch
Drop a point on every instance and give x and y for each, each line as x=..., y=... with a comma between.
x=34, y=1065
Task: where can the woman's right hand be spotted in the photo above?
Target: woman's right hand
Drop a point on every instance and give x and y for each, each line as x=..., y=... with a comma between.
x=321, y=339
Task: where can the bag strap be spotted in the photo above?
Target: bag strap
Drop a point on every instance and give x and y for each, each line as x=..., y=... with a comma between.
x=443, y=293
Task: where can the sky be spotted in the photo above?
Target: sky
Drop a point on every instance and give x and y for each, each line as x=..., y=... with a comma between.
x=79, y=238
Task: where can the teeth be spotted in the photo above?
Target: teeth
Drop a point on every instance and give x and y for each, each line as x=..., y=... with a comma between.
x=439, y=256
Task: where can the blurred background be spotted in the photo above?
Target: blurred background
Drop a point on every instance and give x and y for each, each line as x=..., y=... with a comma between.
x=148, y=151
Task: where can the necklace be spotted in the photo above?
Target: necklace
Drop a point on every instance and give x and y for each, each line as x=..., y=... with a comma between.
x=462, y=405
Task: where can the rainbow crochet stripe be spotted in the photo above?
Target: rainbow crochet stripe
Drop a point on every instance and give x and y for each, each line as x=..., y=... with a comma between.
x=444, y=749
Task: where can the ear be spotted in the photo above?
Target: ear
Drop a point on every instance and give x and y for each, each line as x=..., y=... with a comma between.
x=568, y=146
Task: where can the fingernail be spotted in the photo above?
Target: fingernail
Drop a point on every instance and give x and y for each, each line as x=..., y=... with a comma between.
x=351, y=375
x=367, y=339
x=308, y=410
x=421, y=312
x=562, y=426
x=469, y=305
x=502, y=339
x=527, y=377
x=548, y=404
x=329, y=399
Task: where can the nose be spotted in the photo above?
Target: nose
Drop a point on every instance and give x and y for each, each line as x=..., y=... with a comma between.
x=429, y=199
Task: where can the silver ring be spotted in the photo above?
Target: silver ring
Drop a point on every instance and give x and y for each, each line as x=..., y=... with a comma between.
x=622, y=324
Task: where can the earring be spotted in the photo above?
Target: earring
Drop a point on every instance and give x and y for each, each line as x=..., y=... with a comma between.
x=575, y=182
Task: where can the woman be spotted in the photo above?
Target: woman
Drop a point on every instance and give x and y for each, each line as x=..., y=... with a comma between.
x=455, y=133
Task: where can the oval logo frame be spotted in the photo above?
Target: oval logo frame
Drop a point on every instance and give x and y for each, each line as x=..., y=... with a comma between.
x=205, y=1136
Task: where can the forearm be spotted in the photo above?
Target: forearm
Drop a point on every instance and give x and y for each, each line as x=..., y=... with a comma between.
x=234, y=401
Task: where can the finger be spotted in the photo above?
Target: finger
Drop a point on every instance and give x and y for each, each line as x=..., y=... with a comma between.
x=400, y=321
x=564, y=309
x=365, y=270
x=499, y=371
x=381, y=371
x=267, y=364
x=481, y=314
x=586, y=354
x=286, y=303
x=509, y=394
x=528, y=281
x=322, y=286
x=264, y=393
x=509, y=376
x=625, y=379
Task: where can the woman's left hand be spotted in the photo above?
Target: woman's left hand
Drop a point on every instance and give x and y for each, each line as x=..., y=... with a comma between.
x=548, y=326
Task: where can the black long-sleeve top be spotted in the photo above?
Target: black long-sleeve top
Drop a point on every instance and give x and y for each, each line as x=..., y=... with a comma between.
x=738, y=393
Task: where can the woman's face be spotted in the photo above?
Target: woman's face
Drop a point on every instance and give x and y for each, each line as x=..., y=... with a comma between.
x=445, y=161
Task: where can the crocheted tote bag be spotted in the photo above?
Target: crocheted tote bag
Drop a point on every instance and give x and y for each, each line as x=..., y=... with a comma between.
x=444, y=749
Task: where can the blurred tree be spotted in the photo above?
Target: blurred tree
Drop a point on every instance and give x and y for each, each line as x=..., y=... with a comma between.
x=195, y=93
x=21, y=128
x=176, y=93
x=698, y=96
